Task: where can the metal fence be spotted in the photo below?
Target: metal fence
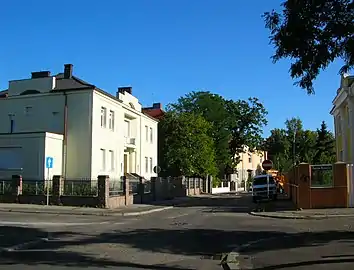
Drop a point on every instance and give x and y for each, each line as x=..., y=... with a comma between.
x=35, y=187
x=147, y=187
x=134, y=185
x=80, y=187
x=116, y=187
x=322, y=175
x=5, y=187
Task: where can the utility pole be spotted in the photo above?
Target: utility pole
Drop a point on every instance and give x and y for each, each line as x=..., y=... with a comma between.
x=294, y=161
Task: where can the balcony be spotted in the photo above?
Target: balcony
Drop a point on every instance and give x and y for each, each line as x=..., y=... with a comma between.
x=129, y=142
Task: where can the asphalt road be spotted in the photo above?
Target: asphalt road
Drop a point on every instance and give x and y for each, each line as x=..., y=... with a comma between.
x=177, y=239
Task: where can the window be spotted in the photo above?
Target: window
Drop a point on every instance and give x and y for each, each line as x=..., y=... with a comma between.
x=111, y=120
x=151, y=135
x=147, y=133
x=146, y=165
x=338, y=125
x=249, y=158
x=150, y=165
x=111, y=157
x=127, y=128
x=28, y=110
x=341, y=155
x=103, y=159
x=103, y=117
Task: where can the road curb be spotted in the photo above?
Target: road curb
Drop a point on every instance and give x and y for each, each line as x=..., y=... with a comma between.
x=138, y=213
x=262, y=214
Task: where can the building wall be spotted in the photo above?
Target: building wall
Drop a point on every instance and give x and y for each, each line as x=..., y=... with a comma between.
x=33, y=113
x=79, y=135
x=103, y=138
x=249, y=161
x=29, y=151
x=110, y=142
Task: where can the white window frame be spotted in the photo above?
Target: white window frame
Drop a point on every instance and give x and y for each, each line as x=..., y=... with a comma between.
x=341, y=155
x=126, y=128
x=348, y=117
x=112, y=161
x=146, y=165
x=147, y=133
x=103, y=159
x=111, y=120
x=339, y=124
x=103, y=117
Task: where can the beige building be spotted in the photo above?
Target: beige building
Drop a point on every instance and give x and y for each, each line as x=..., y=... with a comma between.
x=250, y=161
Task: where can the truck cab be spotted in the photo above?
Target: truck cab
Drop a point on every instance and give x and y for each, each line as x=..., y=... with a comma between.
x=264, y=187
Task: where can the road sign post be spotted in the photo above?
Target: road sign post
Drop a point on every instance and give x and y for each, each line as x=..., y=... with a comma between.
x=49, y=165
x=267, y=165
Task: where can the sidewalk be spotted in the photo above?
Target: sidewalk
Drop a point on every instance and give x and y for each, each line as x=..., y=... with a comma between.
x=308, y=213
x=132, y=210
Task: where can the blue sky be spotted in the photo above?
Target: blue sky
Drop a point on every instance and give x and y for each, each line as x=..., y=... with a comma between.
x=163, y=49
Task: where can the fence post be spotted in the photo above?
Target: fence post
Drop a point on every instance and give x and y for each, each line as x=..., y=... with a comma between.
x=126, y=189
x=195, y=185
x=103, y=190
x=58, y=185
x=153, y=187
x=141, y=189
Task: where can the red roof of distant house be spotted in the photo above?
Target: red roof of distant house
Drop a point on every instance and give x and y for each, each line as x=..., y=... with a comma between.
x=155, y=111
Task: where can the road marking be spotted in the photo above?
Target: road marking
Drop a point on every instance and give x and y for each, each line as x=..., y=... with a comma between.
x=181, y=215
x=21, y=223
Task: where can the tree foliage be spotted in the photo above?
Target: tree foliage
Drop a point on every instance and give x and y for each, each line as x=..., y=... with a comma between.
x=185, y=145
x=234, y=123
x=293, y=144
x=313, y=33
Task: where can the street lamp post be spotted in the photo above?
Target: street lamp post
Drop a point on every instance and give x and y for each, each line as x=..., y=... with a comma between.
x=294, y=161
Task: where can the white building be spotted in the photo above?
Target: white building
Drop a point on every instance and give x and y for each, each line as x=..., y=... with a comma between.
x=250, y=163
x=87, y=131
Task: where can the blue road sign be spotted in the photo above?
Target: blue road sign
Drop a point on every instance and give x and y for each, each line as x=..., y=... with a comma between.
x=49, y=162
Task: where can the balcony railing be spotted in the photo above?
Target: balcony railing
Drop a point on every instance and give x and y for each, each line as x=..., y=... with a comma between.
x=130, y=141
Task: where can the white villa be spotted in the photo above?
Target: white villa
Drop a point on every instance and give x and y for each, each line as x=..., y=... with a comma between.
x=62, y=125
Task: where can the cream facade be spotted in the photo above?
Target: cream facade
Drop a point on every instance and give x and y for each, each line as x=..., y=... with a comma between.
x=250, y=162
x=102, y=133
x=342, y=111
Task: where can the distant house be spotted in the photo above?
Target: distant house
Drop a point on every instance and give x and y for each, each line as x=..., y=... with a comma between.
x=342, y=111
x=84, y=130
x=250, y=163
x=155, y=111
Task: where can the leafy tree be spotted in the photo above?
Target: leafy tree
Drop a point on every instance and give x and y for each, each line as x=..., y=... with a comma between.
x=185, y=145
x=212, y=108
x=314, y=147
x=234, y=123
x=246, y=119
x=313, y=33
x=325, y=146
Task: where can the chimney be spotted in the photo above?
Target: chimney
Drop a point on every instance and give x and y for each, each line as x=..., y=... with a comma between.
x=122, y=90
x=40, y=74
x=157, y=105
x=68, y=71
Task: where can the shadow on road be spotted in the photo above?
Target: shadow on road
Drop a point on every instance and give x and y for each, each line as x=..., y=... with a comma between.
x=186, y=241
